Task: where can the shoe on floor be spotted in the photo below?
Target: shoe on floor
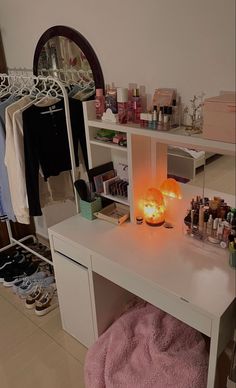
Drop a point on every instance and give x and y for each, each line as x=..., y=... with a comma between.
x=5, y=260
x=37, y=292
x=47, y=302
x=21, y=283
x=19, y=258
x=25, y=289
x=20, y=271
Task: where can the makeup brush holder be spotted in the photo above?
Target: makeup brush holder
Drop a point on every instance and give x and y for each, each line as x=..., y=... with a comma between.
x=87, y=209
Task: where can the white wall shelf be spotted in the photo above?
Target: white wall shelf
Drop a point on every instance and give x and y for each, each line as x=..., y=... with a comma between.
x=176, y=137
x=123, y=200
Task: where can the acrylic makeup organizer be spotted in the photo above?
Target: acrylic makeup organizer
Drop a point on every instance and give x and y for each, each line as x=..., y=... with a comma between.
x=21, y=85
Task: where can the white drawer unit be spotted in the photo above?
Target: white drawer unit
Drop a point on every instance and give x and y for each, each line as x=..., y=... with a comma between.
x=74, y=296
x=77, y=252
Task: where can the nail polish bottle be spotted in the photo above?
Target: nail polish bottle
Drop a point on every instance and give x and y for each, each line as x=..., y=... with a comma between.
x=122, y=101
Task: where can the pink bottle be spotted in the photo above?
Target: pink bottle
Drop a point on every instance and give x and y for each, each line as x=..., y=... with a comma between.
x=99, y=103
x=122, y=100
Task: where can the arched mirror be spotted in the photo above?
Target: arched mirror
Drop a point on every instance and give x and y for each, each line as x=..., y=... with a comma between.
x=64, y=53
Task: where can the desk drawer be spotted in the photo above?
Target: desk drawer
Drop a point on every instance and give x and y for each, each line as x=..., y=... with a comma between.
x=76, y=252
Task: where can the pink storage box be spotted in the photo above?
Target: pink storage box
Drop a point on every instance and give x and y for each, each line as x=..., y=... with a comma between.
x=219, y=118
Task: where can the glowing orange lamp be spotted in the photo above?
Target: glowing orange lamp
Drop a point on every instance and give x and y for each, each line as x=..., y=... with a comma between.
x=171, y=188
x=154, y=207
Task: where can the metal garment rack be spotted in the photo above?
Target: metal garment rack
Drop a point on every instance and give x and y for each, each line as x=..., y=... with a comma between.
x=21, y=85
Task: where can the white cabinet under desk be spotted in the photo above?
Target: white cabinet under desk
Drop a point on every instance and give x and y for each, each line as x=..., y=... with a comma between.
x=184, y=277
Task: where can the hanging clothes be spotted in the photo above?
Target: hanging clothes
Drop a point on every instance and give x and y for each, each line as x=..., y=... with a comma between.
x=46, y=145
x=15, y=177
x=6, y=210
x=56, y=189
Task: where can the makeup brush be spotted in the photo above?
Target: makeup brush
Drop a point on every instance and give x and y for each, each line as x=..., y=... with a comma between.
x=82, y=189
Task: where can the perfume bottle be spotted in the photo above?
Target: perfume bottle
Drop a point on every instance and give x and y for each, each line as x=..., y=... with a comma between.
x=122, y=102
x=99, y=103
x=111, y=99
x=176, y=115
x=136, y=106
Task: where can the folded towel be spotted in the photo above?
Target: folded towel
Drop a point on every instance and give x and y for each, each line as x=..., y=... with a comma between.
x=147, y=348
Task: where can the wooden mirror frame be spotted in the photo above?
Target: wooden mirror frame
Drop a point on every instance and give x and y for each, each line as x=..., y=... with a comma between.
x=80, y=41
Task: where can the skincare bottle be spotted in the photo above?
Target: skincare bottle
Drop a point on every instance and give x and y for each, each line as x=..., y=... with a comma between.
x=220, y=229
x=149, y=115
x=176, y=116
x=99, y=103
x=154, y=117
x=206, y=218
x=136, y=106
x=122, y=102
x=167, y=117
x=209, y=226
x=201, y=219
x=215, y=226
x=160, y=118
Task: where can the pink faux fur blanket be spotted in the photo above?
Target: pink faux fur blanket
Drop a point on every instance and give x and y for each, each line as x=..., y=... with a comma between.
x=147, y=348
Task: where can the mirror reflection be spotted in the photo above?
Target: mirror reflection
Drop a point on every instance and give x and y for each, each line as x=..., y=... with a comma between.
x=202, y=169
x=61, y=58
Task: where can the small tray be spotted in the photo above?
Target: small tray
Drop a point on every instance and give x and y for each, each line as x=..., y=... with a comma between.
x=115, y=213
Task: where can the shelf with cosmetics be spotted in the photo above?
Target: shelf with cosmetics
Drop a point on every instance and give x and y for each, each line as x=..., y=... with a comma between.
x=145, y=152
x=175, y=136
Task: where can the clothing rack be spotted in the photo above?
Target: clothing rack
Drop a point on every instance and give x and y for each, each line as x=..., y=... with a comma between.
x=18, y=82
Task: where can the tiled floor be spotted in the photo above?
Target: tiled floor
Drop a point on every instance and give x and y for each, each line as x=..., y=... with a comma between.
x=34, y=351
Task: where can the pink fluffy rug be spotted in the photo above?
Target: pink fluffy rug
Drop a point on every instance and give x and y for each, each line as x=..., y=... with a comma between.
x=145, y=348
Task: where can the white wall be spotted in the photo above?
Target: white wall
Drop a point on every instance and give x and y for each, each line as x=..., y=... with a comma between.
x=188, y=44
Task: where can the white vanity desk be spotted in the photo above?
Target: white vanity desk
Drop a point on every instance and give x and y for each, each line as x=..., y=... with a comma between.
x=190, y=281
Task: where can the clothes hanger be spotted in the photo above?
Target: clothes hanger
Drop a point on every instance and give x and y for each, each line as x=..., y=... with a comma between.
x=52, y=92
